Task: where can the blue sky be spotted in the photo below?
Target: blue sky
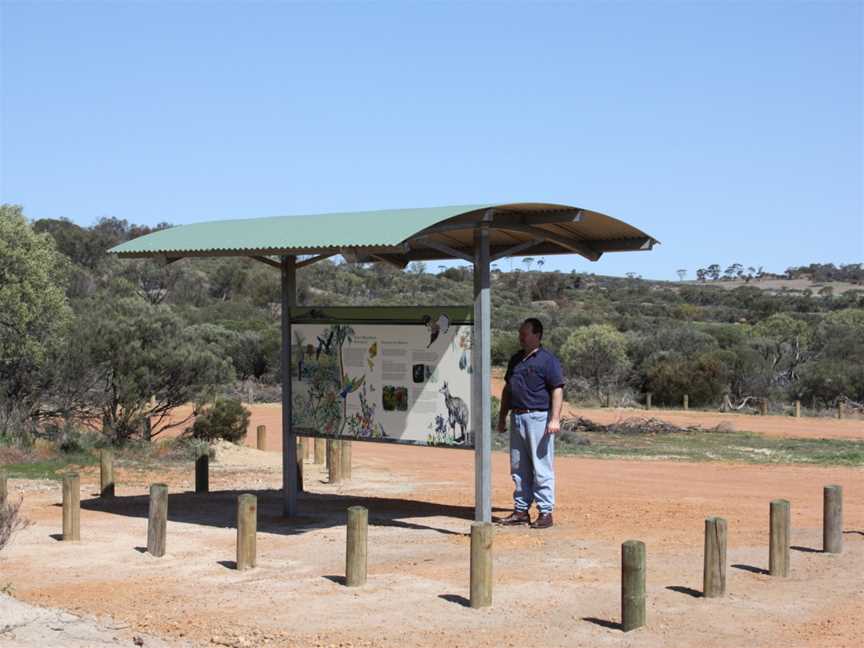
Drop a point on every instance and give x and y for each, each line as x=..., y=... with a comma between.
x=730, y=131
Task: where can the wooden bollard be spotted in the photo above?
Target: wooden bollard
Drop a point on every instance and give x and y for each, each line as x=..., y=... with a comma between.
x=481, y=564
x=797, y=409
x=202, y=471
x=840, y=412
x=778, y=550
x=261, y=439
x=714, y=572
x=632, y=585
x=763, y=407
x=157, y=522
x=832, y=519
x=71, y=507
x=355, y=551
x=320, y=450
x=686, y=402
x=4, y=486
x=648, y=400
x=106, y=473
x=346, y=459
x=334, y=461
x=247, y=530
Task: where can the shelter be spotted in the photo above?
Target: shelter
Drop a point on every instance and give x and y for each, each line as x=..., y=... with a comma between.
x=478, y=234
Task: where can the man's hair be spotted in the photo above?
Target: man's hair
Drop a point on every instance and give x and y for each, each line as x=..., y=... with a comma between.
x=536, y=326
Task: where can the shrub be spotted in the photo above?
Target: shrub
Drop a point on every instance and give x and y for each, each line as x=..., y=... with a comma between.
x=10, y=520
x=225, y=419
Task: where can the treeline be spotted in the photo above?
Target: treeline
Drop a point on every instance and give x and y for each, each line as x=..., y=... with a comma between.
x=815, y=272
x=89, y=339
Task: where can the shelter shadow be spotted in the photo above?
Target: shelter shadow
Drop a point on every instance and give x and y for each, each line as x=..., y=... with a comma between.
x=319, y=510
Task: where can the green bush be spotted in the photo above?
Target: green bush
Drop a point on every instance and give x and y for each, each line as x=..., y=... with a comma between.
x=225, y=419
x=704, y=378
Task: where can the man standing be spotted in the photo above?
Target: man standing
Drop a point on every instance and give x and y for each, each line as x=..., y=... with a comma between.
x=534, y=393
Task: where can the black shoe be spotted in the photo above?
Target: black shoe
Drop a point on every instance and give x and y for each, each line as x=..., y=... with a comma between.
x=543, y=521
x=515, y=518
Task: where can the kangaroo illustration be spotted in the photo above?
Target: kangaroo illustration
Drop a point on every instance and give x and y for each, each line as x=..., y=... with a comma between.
x=457, y=412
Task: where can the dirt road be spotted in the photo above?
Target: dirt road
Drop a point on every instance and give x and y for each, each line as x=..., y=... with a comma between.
x=559, y=587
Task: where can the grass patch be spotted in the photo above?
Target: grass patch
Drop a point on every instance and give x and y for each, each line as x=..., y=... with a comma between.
x=736, y=447
x=52, y=468
x=733, y=447
x=50, y=462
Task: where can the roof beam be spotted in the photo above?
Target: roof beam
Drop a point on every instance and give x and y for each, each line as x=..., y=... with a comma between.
x=562, y=241
x=516, y=249
x=389, y=260
x=446, y=249
x=270, y=262
x=501, y=219
x=314, y=259
x=624, y=245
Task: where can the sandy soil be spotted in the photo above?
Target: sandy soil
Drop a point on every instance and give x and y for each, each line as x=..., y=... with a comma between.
x=559, y=587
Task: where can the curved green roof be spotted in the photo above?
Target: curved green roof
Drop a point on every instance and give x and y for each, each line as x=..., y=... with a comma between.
x=399, y=235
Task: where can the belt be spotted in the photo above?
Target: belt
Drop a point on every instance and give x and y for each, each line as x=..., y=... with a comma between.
x=525, y=410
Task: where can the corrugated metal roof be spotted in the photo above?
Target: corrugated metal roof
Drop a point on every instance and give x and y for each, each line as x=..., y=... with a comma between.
x=398, y=234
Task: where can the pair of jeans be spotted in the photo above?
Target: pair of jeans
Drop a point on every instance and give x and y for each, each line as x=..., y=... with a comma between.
x=532, y=453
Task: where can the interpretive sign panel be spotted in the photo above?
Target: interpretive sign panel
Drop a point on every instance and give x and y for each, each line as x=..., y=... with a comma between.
x=398, y=374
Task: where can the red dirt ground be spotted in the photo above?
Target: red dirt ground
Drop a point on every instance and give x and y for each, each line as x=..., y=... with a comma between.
x=559, y=587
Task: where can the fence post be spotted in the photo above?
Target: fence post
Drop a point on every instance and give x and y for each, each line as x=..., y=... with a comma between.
x=346, y=459
x=778, y=550
x=648, y=400
x=356, y=549
x=202, y=470
x=714, y=572
x=832, y=519
x=482, y=534
x=840, y=412
x=763, y=406
x=71, y=507
x=261, y=439
x=247, y=529
x=157, y=520
x=4, y=487
x=686, y=402
x=797, y=409
x=106, y=473
x=632, y=585
x=334, y=461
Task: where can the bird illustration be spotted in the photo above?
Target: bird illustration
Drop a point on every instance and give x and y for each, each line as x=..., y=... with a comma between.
x=350, y=385
x=373, y=352
x=441, y=325
x=323, y=346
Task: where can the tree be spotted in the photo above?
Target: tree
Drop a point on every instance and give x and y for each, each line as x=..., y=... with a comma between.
x=597, y=353
x=681, y=272
x=33, y=306
x=528, y=261
x=713, y=271
x=540, y=263
x=784, y=342
x=136, y=360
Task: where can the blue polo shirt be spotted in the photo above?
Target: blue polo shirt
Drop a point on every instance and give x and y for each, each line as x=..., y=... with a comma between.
x=532, y=380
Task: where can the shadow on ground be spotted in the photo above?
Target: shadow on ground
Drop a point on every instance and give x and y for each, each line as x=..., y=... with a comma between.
x=318, y=510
